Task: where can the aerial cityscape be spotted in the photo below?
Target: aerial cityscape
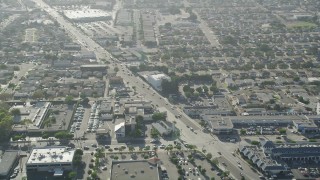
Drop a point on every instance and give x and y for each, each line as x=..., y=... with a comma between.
x=159, y=89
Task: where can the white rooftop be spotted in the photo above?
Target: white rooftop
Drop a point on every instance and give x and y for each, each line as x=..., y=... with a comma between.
x=85, y=13
x=118, y=126
x=46, y=155
x=159, y=76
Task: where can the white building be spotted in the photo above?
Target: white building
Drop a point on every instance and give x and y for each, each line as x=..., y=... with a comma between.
x=156, y=79
x=52, y=159
x=120, y=130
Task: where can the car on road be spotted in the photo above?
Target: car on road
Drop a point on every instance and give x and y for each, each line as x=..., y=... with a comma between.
x=86, y=147
x=106, y=146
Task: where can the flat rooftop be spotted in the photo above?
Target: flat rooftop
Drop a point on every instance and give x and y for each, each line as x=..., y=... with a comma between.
x=140, y=170
x=218, y=122
x=7, y=161
x=51, y=154
x=85, y=13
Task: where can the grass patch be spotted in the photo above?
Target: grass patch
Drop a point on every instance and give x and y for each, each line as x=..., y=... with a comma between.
x=301, y=24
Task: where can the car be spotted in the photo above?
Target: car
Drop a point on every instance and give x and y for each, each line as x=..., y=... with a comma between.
x=13, y=176
x=86, y=147
x=153, y=141
x=190, y=169
x=106, y=146
x=104, y=168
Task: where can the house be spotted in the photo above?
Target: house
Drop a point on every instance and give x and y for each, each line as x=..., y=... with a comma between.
x=229, y=82
x=120, y=130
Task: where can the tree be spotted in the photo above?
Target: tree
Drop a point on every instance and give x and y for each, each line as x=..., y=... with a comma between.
x=209, y=156
x=186, y=88
x=202, y=123
x=5, y=123
x=159, y=116
x=131, y=148
x=15, y=112
x=282, y=131
x=72, y=175
x=205, y=89
x=199, y=90
x=69, y=100
x=5, y=96
x=243, y=132
x=85, y=101
x=154, y=133
x=63, y=135
x=39, y=94
x=170, y=87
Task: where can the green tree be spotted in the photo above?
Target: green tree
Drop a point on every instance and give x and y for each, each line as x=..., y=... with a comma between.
x=186, y=88
x=38, y=94
x=15, y=112
x=5, y=123
x=154, y=133
x=131, y=148
x=85, y=101
x=5, y=96
x=69, y=100
x=282, y=131
x=63, y=135
x=72, y=175
x=159, y=116
x=243, y=132
x=209, y=156
x=199, y=89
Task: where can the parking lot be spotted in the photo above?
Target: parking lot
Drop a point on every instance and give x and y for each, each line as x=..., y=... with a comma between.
x=62, y=114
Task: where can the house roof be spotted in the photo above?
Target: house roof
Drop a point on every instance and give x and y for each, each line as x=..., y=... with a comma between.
x=267, y=144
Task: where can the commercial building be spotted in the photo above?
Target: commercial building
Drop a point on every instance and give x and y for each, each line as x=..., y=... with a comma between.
x=306, y=126
x=8, y=160
x=156, y=79
x=219, y=125
x=139, y=169
x=87, y=15
x=164, y=127
x=120, y=130
x=94, y=67
x=55, y=159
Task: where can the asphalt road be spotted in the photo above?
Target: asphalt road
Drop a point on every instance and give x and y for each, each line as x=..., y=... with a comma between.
x=198, y=139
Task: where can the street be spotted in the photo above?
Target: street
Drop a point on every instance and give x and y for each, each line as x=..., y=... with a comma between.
x=200, y=139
